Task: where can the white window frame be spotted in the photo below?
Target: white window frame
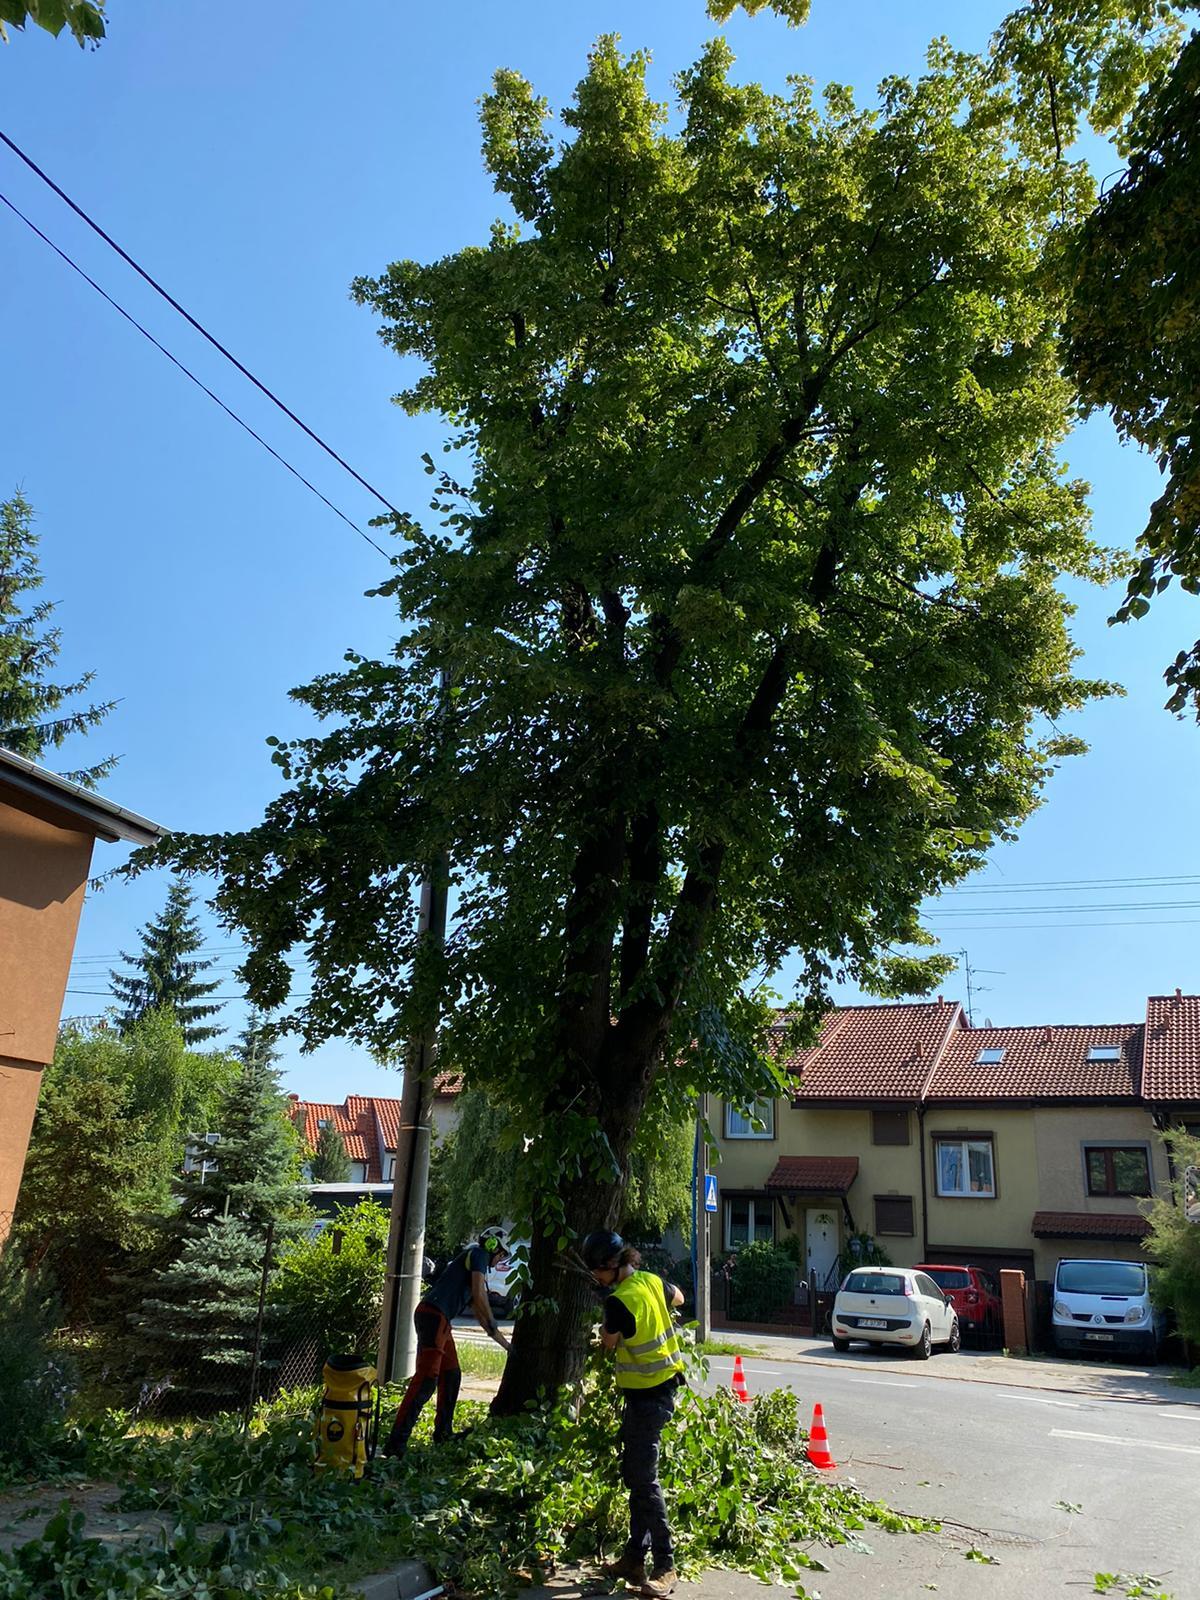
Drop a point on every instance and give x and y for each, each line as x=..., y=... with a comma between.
x=755, y=1203
x=965, y=1146
x=1104, y=1052
x=357, y=1167
x=390, y=1174
x=990, y=1056
x=738, y=1123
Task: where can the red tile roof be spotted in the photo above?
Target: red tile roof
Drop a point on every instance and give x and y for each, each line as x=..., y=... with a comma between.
x=1172, y=1056
x=813, y=1174
x=1087, y=1225
x=369, y=1124
x=1042, y=1063
x=355, y=1121
x=874, y=1054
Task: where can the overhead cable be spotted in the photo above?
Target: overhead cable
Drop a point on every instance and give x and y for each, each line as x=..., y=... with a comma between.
x=199, y=327
x=188, y=373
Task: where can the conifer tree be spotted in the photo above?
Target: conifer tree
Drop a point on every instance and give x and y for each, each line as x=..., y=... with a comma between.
x=330, y=1163
x=35, y=712
x=167, y=971
x=256, y=1043
x=196, y=1323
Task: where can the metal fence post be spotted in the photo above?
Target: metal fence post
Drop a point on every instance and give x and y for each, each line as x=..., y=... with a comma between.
x=258, y=1323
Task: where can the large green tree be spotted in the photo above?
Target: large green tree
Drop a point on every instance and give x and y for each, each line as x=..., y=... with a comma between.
x=745, y=592
x=37, y=714
x=166, y=971
x=1134, y=334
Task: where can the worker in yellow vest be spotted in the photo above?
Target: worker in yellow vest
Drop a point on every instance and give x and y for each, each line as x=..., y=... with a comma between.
x=639, y=1329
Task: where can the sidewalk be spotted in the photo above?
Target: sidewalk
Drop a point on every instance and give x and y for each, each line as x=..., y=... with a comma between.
x=986, y=1366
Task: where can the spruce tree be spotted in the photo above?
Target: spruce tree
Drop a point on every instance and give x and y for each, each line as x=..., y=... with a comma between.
x=195, y=1328
x=35, y=714
x=330, y=1163
x=256, y=1043
x=167, y=971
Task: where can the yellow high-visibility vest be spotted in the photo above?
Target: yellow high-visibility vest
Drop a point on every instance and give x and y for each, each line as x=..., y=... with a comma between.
x=652, y=1354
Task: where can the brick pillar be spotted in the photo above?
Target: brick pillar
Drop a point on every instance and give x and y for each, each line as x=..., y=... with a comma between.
x=1012, y=1298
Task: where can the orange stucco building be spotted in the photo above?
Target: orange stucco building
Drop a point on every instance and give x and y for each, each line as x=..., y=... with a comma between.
x=48, y=826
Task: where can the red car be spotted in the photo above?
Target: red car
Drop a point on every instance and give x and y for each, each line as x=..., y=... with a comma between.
x=974, y=1295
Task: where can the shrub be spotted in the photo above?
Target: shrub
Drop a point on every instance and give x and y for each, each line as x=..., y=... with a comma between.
x=762, y=1281
x=330, y=1287
x=36, y=1377
x=1174, y=1243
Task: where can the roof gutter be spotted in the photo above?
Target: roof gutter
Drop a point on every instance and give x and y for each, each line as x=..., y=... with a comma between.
x=106, y=820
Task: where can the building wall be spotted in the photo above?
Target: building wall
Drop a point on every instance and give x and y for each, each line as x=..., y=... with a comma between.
x=1038, y=1164
x=43, y=874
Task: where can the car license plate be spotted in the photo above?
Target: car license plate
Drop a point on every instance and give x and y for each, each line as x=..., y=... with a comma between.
x=1097, y=1336
x=872, y=1322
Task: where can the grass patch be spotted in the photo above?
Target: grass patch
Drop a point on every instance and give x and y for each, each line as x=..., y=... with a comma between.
x=481, y=1360
x=724, y=1347
x=1187, y=1380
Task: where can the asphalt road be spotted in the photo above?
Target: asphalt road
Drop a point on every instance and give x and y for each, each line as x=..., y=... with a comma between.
x=999, y=1467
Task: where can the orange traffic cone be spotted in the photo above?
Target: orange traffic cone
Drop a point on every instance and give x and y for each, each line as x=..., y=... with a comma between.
x=739, y=1380
x=818, y=1442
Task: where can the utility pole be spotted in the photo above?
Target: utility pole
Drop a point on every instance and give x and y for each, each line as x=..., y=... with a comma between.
x=410, y=1175
x=701, y=1251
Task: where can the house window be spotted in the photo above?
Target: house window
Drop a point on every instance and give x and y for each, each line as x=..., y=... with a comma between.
x=322, y=1122
x=741, y=1124
x=747, y=1219
x=894, y=1214
x=1104, y=1052
x=964, y=1168
x=358, y=1172
x=391, y=1169
x=1117, y=1169
x=889, y=1127
x=990, y=1058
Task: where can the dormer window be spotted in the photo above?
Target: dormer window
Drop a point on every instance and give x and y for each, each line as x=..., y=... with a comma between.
x=990, y=1057
x=322, y=1122
x=1104, y=1052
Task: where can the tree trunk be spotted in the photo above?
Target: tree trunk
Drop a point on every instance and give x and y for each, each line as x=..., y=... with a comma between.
x=550, y=1345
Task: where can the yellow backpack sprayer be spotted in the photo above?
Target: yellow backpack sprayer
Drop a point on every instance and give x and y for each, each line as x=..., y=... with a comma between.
x=348, y=1430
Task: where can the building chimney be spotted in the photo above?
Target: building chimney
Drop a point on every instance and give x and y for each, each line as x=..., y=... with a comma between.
x=1047, y=1035
x=941, y=1000
x=1179, y=997
x=919, y=1051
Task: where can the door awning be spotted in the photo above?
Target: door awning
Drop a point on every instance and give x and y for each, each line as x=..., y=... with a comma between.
x=818, y=1175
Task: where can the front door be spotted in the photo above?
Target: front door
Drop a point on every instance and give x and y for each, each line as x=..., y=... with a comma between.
x=822, y=1246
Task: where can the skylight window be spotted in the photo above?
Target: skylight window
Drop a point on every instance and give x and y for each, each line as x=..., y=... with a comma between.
x=990, y=1058
x=1104, y=1052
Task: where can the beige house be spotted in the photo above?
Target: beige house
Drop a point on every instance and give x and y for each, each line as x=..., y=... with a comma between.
x=48, y=827
x=947, y=1143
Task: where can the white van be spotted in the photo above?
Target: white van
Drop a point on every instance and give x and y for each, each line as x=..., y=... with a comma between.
x=1105, y=1305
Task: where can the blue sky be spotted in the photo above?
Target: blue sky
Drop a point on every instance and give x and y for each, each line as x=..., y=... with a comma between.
x=256, y=158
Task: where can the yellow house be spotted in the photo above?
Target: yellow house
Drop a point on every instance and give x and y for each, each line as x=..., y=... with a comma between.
x=998, y=1147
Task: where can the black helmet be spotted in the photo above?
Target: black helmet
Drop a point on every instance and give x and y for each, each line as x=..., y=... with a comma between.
x=601, y=1248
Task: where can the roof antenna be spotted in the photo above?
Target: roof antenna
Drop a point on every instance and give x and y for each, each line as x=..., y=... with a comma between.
x=969, y=973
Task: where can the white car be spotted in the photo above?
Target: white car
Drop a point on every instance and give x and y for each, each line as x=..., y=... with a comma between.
x=894, y=1305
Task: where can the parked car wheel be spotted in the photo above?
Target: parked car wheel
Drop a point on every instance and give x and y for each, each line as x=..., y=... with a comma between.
x=954, y=1343
x=924, y=1349
x=840, y=1345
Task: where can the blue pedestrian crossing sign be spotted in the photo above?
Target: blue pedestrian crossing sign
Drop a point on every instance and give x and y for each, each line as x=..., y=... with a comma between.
x=710, y=1192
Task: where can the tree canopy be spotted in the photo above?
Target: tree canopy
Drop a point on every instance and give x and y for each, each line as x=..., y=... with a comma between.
x=36, y=713
x=745, y=591
x=1134, y=333
x=83, y=19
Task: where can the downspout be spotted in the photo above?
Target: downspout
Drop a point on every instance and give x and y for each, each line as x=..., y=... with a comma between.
x=925, y=1208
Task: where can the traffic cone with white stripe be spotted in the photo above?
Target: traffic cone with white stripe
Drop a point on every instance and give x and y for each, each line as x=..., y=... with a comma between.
x=739, y=1380
x=818, y=1442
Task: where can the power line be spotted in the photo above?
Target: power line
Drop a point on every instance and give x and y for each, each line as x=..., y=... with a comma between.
x=106, y=994
x=199, y=327
x=1089, y=884
x=188, y=373
x=1030, y=911
x=1013, y=927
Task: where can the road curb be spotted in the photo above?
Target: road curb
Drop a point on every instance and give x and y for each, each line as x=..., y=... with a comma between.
x=1018, y=1381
